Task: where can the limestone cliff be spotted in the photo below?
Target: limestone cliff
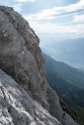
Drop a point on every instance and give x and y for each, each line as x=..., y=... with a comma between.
x=20, y=57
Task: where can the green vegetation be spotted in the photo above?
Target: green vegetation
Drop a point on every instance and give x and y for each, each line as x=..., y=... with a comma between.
x=68, y=82
x=77, y=113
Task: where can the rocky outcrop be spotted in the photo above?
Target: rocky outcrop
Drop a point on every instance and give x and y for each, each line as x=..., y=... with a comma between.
x=21, y=58
x=17, y=107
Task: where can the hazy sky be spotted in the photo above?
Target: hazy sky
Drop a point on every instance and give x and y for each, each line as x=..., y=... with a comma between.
x=52, y=19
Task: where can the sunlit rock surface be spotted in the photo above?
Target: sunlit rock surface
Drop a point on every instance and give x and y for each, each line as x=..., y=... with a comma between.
x=17, y=107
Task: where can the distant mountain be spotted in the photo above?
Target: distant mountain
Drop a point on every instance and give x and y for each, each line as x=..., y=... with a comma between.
x=66, y=80
x=76, y=112
x=69, y=51
x=77, y=98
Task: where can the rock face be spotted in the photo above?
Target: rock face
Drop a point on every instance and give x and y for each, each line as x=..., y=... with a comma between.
x=21, y=58
x=17, y=107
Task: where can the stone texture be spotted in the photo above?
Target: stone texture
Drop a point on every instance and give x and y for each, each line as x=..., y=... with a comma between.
x=18, y=108
x=20, y=55
x=21, y=58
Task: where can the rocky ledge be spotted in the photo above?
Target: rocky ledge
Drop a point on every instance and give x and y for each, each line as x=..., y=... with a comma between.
x=25, y=96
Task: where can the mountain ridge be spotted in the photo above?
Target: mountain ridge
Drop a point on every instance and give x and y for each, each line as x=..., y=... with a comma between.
x=68, y=51
x=66, y=80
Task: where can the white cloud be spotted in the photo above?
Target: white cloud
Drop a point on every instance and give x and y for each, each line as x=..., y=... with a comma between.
x=24, y=1
x=17, y=7
x=58, y=29
x=78, y=19
x=38, y=23
x=56, y=12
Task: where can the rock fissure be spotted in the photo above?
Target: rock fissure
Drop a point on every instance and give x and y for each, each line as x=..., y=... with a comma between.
x=5, y=98
x=1, y=122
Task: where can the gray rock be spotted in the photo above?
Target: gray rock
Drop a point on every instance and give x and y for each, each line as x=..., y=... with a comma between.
x=55, y=109
x=20, y=55
x=21, y=58
x=18, y=108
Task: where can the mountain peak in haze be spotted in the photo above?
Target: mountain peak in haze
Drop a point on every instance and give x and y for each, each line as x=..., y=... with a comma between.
x=68, y=51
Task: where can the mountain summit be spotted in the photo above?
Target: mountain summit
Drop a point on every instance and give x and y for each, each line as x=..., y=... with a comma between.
x=25, y=96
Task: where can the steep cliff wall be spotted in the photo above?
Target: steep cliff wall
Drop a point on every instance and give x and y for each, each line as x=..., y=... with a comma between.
x=21, y=58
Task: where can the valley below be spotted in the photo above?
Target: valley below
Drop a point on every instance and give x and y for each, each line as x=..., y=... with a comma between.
x=68, y=82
